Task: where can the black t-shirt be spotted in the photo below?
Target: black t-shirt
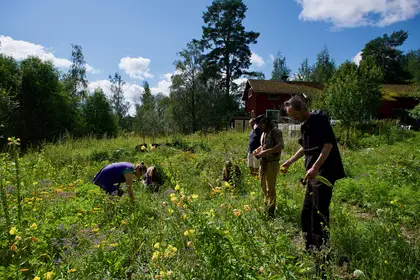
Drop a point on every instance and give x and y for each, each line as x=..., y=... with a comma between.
x=254, y=139
x=316, y=132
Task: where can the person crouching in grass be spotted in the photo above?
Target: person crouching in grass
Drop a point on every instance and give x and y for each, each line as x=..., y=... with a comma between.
x=153, y=178
x=111, y=176
x=270, y=150
x=231, y=174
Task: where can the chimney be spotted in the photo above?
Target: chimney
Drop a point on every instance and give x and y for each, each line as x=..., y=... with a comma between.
x=284, y=78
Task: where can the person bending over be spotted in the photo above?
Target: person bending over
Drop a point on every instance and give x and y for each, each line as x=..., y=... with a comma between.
x=111, y=176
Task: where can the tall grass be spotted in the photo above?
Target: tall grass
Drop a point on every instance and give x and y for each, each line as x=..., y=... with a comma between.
x=196, y=227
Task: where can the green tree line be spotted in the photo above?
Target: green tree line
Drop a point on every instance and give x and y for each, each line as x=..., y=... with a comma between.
x=39, y=103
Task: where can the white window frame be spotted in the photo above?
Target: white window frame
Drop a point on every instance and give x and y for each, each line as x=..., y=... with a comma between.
x=250, y=92
x=276, y=97
x=252, y=114
x=278, y=113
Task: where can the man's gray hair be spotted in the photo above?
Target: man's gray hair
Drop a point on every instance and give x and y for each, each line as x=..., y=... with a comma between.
x=296, y=102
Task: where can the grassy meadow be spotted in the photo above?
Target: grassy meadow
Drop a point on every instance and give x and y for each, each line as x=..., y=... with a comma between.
x=197, y=228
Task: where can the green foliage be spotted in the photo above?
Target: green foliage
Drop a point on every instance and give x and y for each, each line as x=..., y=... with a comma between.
x=119, y=105
x=195, y=227
x=75, y=80
x=304, y=72
x=45, y=109
x=187, y=86
x=384, y=51
x=227, y=42
x=324, y=67
x=99, y=118
x=353, y=94
x=10, y=77
x=280, y=68
x=413, y=65
x=147, y=122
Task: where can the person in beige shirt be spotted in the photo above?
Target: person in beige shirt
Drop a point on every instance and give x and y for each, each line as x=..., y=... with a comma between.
x=270, y=150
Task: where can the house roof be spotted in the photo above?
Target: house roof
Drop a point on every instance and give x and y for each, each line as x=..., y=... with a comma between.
x=279, y=87
x=392, y=92
x=389, y=91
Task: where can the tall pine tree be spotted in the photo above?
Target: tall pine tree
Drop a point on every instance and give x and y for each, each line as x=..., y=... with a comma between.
x=280, y=68
x=227, y=42
x=118, y=102
x=324, y=67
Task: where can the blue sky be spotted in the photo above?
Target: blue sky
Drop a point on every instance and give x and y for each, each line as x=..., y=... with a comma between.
x=140, y=39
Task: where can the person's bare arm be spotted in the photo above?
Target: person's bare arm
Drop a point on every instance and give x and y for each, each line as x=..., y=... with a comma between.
x=285, y=166
x=129, y=183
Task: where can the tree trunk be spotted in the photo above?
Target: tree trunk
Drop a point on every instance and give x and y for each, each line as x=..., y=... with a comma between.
x=194, y=128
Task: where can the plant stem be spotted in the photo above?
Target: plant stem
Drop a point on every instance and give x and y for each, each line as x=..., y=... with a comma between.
x=4, y=203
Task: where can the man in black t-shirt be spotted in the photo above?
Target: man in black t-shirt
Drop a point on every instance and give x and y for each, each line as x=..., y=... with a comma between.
x=322, y=157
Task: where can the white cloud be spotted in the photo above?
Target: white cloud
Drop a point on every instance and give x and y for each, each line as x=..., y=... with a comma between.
x=163, y=85
x=240, y=81
x=357, y=58
x=136, y=67
x=132, y=92
x=354, y=13
x=19, y=50
x=257, y=60
x=92, y=70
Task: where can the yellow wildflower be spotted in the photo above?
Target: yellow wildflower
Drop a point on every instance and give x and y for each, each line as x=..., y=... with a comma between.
x=95, y=229
x=190, y=244
x=155, y=256
x=247, y=208
x=194, y=196
x=13, y=231
x=49, y=275
x=37, y=278
x=123, y=222
x=156, y=246
x=18, y=238
x=170, y=211
x=169, y=273
x=33, y=227
x=71, y=270
x=114, y=245
x=177, y=188
x=24, y=269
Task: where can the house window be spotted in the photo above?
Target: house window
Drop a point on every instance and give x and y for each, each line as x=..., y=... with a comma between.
x=273, y=97
x=272, y=114
x=249, y=92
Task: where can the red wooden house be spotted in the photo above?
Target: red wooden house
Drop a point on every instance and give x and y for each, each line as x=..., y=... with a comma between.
x=267, y=97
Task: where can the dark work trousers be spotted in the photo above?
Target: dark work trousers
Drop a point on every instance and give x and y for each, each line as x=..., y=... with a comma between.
x=316, y=214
